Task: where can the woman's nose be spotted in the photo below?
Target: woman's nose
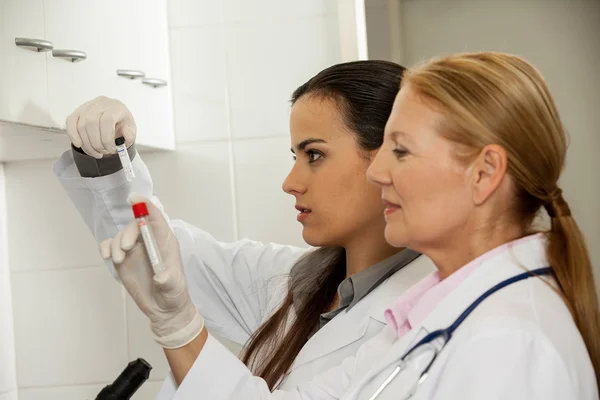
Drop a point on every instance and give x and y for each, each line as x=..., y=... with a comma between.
x=378, y=172
x=293, y=185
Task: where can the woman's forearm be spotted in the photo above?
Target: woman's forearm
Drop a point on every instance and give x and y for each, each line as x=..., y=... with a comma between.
x=181, y=359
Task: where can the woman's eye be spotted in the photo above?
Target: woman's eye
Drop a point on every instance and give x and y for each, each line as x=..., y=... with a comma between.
x=400, y=152
x=313, y=156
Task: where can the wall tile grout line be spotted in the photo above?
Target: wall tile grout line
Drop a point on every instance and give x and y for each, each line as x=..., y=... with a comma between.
x=230, y=149
x=5, y=259
x=65, y=385
x=55, y=269
x=231, y=138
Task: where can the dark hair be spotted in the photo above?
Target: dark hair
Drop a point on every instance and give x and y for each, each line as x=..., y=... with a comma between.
x=364, y=92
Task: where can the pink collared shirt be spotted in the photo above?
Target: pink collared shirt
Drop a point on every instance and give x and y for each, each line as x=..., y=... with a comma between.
x=416, y=303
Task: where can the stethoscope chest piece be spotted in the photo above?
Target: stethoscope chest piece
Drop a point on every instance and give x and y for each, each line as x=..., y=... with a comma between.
x=410, y=372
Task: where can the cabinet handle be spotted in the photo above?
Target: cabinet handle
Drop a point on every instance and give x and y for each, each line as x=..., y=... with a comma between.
x=131, y=73
x=154, y=82
x=71, y=55
x=38, y=44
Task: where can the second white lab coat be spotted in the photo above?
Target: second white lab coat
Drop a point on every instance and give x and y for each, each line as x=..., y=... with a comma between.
x=236, y=286
x=521, y=343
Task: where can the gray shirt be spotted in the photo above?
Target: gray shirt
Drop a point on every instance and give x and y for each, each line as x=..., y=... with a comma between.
x=354, y=288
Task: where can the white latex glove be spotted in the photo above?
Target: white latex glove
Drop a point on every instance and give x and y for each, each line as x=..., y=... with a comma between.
x=163, y=297
x=94, y=125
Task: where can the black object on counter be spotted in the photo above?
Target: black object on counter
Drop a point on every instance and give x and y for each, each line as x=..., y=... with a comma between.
x=130, y=380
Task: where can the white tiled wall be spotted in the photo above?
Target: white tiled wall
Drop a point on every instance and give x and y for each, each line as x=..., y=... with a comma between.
x=194, y=13
x=261, y=165
x=266, y=61
x=234, y=65
x=36, y=209
x=75, y=319
x=8, y=378
x=83, y=392
x=10, y=395
x=199, y=82
x=269, y=10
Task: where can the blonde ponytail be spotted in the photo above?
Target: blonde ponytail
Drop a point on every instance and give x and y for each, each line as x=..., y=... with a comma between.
x=567, y=253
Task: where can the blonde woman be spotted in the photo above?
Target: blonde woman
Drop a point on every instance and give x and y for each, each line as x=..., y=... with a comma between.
x=473, y=150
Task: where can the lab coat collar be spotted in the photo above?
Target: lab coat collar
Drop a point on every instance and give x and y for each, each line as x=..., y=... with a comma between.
x=342, y=331
x=522, y=255
x=398, y=284
x=350, y=326
x=365, y=281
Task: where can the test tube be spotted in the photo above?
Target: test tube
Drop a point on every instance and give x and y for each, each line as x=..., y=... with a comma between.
x=124, y=157
x=140, y=211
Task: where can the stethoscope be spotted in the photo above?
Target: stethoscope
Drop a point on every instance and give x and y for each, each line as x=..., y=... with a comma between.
x=425, y=348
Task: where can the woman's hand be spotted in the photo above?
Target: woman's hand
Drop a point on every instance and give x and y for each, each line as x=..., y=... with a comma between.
x=163, y=297
x=94, y=125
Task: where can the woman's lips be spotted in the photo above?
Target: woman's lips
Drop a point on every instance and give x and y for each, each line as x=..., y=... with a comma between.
x=390, y=208
x=304, y=212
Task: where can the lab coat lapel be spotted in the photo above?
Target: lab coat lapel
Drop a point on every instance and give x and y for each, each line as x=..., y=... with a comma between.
x=373, y=375
x=348, y=327
x=523, y=256
x=343, y=330
x=397, y=284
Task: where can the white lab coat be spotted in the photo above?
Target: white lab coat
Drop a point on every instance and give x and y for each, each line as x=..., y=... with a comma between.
x=236, y=286
x=519, y=344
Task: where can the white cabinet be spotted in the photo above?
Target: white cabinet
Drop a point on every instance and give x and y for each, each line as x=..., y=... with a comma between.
x=43, y=88
x=79, y=26
x=23, y=82
x=146, y=48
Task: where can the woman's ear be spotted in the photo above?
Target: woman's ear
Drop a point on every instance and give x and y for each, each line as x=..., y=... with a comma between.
x=488, y=171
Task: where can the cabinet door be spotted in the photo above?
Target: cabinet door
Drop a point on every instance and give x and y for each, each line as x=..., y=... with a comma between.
x=146, y=47
x=115, y=35
x=23, y=82
x=85, y=26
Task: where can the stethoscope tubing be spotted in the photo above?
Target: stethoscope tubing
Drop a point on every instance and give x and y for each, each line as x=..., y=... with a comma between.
x=446, y=333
